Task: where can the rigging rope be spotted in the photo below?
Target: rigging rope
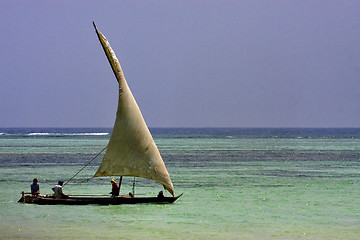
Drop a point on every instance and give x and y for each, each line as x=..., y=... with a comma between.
x=84, y=167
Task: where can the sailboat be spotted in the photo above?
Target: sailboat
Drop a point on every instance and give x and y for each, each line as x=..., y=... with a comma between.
x=131, y=150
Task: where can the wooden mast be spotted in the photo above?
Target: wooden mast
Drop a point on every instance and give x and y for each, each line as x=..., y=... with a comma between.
x=120, y=180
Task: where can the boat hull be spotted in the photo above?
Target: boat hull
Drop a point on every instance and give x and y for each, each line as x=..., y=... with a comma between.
x=95, y=200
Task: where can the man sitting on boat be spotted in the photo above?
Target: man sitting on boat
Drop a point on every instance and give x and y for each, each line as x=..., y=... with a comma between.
x=35, y=188
x=115, y=188
x=161, y=195
x=58, y=191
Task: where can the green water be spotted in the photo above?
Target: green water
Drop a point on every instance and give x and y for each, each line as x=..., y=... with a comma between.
x=234, y=188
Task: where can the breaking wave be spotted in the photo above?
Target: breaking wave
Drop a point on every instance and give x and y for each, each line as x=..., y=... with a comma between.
x=54, y=132
x=67, y=134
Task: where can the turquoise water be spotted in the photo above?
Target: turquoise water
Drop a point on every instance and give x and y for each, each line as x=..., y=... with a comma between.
x=237, y=184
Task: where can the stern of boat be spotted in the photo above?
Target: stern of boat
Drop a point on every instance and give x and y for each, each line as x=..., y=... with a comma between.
x=28, y=198
x=22, y=199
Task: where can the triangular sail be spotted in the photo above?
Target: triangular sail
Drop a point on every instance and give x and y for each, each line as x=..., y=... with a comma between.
x=131, y=150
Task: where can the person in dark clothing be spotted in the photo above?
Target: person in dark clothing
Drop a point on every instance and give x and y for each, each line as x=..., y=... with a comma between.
x=161, y=194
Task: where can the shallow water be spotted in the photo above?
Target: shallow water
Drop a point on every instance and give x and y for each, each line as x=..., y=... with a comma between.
x=237, y=184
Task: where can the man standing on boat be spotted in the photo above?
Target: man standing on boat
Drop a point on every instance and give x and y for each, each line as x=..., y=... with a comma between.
x=115, y=188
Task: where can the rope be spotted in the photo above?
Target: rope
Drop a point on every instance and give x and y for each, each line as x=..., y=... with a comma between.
x=84, y=167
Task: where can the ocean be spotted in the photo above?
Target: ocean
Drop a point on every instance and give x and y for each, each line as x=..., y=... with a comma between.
x=238, y=184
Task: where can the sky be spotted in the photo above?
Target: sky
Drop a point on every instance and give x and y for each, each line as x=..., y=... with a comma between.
x=241, y=63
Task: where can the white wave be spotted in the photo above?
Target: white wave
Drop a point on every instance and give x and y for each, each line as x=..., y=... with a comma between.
x=67, y=134
x=85, y=134
x=39, y=134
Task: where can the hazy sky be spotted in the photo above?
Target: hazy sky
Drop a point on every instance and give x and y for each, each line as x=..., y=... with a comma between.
x=188, y=63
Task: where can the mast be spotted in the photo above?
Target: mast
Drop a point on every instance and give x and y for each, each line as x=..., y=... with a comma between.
x=120, y=180
x=134, y=186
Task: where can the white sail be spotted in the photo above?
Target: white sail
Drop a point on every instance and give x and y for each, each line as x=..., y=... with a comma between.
x=131, y=150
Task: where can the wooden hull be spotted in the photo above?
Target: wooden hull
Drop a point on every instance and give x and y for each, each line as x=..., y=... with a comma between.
x=95, y=200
